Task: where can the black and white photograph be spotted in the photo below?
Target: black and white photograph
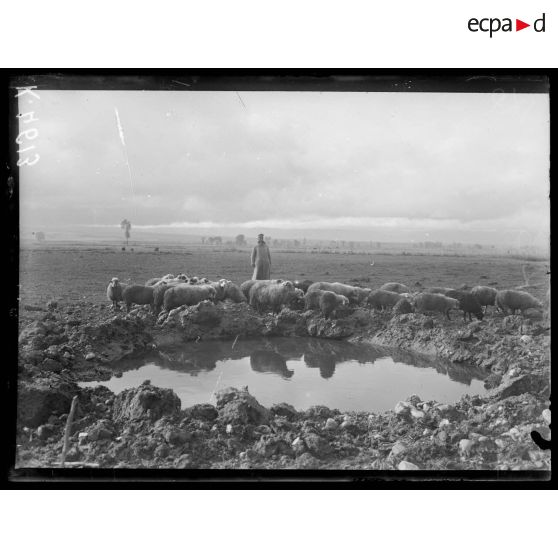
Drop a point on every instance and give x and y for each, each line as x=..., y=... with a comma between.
x=344, y=273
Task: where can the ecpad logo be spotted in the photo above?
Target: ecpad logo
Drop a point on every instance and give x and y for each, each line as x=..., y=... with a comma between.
x=493, y=25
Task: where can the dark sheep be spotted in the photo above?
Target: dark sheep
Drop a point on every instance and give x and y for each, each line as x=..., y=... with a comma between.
x=468, y=303
x=187, y=295
x=270, y=361
x=303, y=285
x=402, y=307
x=380, y=299
x=138, y=294
x=326, y=301
x=434, y=302
x=395, y=288
x=485, y=295
x=511, y=300
x=114, y=292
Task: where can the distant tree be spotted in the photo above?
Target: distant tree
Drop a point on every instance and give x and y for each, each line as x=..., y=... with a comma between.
x=125, y=225
x=267, y=239
x=203, y=239
x=39, y=236
x=296, y=243
x=240, y=240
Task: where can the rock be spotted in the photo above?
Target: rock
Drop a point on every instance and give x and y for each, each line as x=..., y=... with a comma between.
x=331, y=425
x=52, y=304
x=307, y=461
x=161, y=451
x=51, y=365
x=183, y=462
x=45, y=431
x=528, y=383
x=145, y=402
x=317, y=445
x=229, y=429
x=83, y=438
x=444, y=423
x=89, y=356
x=239, y=407
x=492, y=381
x=415, y=413
x=284, y=410
x=407, y=466
x=526, y=338
x=546, y=416
x=299, y=447
x=177, y=437
x=270, y=445
x=465, y=446
x=202, y=411
x=99, y=432
x=402, y=408
x=428, y=323
x=397, y=449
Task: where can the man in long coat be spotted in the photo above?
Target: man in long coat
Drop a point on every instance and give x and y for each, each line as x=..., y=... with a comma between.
x=261, y=260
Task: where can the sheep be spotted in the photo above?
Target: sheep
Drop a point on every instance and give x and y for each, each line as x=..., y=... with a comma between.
x=138, y=294
x=233, y=292
x=382, y=299
x=355, y=295
x=187, y=295
x=318, y=299
x=402, y=307
x=247, y=285
x=485, y=295
x=303, y=285
x=159, y=295
x=516, y=300
x=468, y=303
x=114, y=292
x=434, y=302
x=153, y=282
x=330, y=302
x=271, y=295
x=395, y=288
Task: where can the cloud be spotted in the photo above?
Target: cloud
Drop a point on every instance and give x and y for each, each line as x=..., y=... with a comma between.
x=331, y=159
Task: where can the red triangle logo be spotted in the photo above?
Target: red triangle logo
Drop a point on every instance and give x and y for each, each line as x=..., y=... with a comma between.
x=519, y=25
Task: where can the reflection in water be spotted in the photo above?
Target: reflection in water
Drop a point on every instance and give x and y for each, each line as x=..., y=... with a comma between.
x=294, y=370
x=270, y=361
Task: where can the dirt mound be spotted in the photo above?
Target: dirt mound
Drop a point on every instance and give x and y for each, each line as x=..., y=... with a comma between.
x=239, y=407
x=146, y=401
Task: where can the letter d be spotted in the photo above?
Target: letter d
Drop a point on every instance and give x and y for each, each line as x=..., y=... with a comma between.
x=541, y=30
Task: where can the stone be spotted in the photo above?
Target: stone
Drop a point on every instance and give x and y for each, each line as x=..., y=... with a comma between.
x=331, y=425
x=177, y=437
x=229, y=429
x=465, y=446
x=99, y=432
x=239, y=407
x=528, y=383
x=298, y=445
x=45, y=431
x=397, y=449
x=89, y=356
x=402, y=408
x=444, y=423
x=526, y=338
x=202, y=411
x=183, y=462
x=307, y=461
x=284, y=410
x=407, y=466
x=270, y=445
x=546, y=416
x=51, y=365
x=317, y=445
x=83, y=438
x=415, y=413
x=162, y=451
x=145, y=401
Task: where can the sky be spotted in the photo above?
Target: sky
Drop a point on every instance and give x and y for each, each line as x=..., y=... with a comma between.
x=422, y=165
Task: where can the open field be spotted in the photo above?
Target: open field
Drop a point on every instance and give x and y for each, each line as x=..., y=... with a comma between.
x=81, y=272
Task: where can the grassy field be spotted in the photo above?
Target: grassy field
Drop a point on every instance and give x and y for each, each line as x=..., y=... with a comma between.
x=72, y=272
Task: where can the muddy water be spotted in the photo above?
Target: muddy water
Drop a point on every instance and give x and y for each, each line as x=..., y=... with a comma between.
x=302, y=372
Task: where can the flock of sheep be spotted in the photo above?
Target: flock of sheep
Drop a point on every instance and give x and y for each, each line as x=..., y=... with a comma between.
x=169, y=292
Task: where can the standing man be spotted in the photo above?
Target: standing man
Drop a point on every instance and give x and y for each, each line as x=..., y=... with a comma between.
x=261, y=259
